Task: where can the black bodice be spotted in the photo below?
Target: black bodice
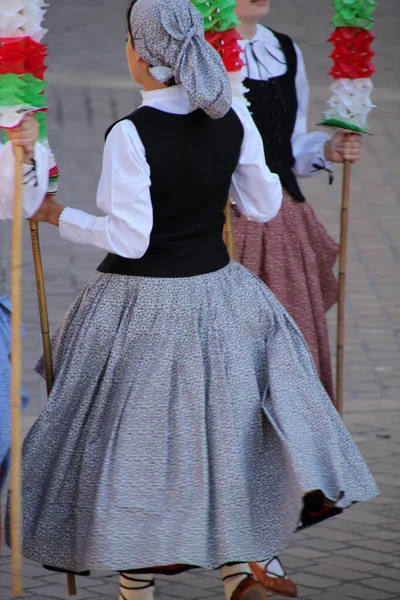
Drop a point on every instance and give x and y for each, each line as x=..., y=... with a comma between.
x=192, y=158
x=273, y=104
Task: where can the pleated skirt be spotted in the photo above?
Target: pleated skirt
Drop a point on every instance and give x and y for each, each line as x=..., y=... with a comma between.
x=187, y=424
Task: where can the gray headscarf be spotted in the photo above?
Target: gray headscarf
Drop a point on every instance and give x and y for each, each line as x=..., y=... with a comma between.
x=169, y=35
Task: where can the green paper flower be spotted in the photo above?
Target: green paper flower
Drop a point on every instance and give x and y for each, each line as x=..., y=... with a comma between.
x=219, y=15
x=343, y=125
x=354, y=13
x=22, y=89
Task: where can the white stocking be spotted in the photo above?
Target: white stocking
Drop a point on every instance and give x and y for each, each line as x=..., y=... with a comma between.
x=134, y=586
x=232, y=575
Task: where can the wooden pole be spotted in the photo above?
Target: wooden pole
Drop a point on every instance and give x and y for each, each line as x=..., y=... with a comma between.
x=16, y=376
x=45, y=329
x=42, y=302
x=344, y=219
x=228, y=231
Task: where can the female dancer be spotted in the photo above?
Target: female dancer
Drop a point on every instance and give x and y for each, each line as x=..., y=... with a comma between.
x=186, y=421
x=293, y=254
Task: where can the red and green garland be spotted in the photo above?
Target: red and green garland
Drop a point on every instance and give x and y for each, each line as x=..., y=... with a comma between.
x=352, y=55
x=220, y=23
x=22, y=68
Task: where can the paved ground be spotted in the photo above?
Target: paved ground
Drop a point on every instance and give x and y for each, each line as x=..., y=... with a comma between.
x=357, y=555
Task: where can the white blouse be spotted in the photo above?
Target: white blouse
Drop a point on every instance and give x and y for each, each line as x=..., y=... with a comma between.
x=35, y=183
x=265, y=59
x=124, y=188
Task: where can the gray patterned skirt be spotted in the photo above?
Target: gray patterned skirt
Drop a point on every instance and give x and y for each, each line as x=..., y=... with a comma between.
x=186, y=424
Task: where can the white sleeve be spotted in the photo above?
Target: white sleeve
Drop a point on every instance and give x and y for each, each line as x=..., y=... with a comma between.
x=35, y=184
x=308, y=148
x=256, y=191
x=123, y=195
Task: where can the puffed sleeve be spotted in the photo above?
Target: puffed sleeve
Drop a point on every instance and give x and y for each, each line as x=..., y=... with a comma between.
x=256, y=191
x=35, y=181
x=123, y=195
x=308, y=148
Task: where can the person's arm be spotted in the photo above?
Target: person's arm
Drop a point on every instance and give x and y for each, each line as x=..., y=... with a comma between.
x=256, y=191
x=35, y=170
x=123, y=195
x=317, y=150
x=308, y=148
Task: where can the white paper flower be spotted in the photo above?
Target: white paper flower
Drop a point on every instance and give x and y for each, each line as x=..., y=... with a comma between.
x=238, y=89
x=350, y=101
x=19, y=18
x=11, y=116
x=11, y=7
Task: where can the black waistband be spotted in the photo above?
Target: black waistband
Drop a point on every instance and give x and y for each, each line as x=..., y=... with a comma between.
x=199, y=261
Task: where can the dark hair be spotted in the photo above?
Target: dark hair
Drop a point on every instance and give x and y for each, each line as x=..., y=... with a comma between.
x=128, y=16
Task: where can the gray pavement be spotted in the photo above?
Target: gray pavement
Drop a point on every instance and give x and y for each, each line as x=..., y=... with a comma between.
x=356, y=555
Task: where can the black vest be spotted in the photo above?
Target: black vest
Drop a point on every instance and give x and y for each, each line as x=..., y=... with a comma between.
x=274, y=110
x=192, y=159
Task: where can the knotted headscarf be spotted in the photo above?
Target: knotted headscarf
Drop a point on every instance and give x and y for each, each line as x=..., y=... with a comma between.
x=169, y=35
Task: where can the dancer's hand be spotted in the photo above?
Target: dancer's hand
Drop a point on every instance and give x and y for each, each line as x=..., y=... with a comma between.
x=25, y=135
x=49, y=212
x=343, y=146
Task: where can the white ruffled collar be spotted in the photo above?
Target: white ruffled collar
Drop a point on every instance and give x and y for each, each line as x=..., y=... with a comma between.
x=263, y=34
x=263, y=54
x=172, y=99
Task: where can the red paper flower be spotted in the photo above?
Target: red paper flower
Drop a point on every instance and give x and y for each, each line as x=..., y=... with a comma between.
x=352, y=53
x=227, y=45
x=22, y=55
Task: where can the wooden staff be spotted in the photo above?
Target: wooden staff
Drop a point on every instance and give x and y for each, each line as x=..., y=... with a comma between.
x=45, y=329
x=42, y=302
x=228, y=231
x=344, y=220
x=16, y=372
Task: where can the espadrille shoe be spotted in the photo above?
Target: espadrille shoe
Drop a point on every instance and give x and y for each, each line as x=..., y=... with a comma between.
x=249, y=589
x=277, y=584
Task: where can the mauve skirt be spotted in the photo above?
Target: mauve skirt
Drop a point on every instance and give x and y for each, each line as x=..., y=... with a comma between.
x=294, y=255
